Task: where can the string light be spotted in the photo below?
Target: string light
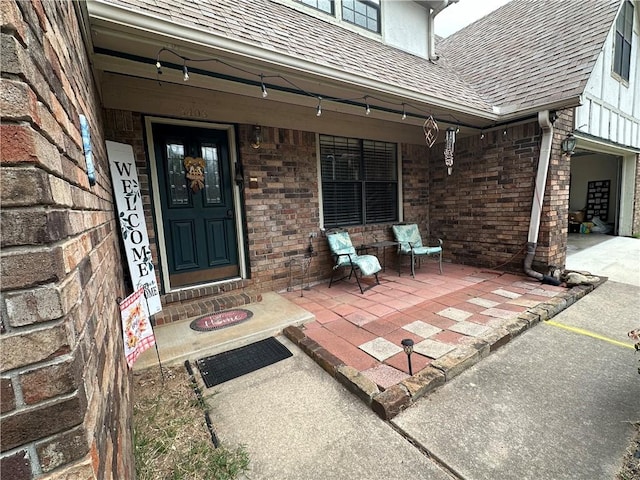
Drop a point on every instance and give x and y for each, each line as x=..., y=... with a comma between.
x=481, y=135
x=264, y=89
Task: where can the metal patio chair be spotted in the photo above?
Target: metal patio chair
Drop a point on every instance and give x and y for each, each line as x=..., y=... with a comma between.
x=410, y=244
x=346, y=257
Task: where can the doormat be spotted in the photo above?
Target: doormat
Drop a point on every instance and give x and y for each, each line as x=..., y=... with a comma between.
x=226, y=366
x=219, y=320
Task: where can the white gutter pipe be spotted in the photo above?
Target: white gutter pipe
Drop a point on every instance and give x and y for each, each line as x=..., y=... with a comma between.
x=431, y=46
x=545, y=122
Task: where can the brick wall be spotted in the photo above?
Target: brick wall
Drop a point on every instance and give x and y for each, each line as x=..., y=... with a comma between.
x=482, y=209
x=554, y=226
x=282, y=206
x=65, y=409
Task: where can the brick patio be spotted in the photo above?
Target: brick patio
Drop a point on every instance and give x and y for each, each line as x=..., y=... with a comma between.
x=442, y=314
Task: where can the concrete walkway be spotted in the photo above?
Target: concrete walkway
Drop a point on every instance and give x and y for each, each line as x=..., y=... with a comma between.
x=617, y=258
x=555, y=403
x=297, y=422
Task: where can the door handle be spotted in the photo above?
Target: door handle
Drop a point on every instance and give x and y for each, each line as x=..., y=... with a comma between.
x=229, y=214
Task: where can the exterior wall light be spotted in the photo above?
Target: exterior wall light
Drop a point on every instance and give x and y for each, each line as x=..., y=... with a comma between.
x=256, y=138
x=568, y=145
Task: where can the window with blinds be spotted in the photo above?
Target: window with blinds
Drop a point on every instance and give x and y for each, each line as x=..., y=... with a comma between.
x=359, y=181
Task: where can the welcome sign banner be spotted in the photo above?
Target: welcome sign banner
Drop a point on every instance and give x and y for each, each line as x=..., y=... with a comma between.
x=132, y=223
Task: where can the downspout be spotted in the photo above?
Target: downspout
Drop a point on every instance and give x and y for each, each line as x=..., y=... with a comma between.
x=431, y=44
x=546, y=123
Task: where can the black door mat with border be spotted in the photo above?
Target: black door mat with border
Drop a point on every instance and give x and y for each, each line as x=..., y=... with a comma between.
x=226, y=366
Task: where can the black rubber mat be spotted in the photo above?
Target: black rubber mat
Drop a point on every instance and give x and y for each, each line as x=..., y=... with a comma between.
x=226, y=366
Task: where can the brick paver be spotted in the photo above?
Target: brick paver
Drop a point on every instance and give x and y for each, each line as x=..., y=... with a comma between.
x=442, y=314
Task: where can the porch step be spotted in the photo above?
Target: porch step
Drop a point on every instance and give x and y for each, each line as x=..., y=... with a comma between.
x=177, y=342
x=176, y=308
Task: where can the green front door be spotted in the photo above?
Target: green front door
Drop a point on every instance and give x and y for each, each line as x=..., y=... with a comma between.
x=194, y=177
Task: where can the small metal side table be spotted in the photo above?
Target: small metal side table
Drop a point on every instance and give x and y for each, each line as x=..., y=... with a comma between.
x=299, y=268
x=381, y=245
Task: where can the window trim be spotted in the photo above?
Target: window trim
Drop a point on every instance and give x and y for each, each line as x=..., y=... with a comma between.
x=620, y=41
x=376, y=4
x=397, y=198
x=318, y=9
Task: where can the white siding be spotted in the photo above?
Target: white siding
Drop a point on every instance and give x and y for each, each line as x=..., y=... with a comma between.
x=405, y=26
x=611, y=107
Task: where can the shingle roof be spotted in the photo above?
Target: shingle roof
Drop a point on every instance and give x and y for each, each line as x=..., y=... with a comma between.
x=525, y=55
x=285, y=30
x=531, y=52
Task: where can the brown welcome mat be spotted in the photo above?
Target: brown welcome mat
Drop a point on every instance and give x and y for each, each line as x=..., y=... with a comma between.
x=226, y=366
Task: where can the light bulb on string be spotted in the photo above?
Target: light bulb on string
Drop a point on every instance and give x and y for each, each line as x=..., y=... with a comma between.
x=159, y=67
x=185, y=70
x=264, y=89
x=481, y=135
x=404, y=112
x=319, y=108
x=367, y=110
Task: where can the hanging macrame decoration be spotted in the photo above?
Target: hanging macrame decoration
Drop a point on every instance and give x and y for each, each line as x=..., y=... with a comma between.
x=430, y=129
x=450, y=142
x=195, y=173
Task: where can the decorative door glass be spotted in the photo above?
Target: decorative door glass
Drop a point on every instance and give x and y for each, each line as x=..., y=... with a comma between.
x=212, y=173
x=178, y=190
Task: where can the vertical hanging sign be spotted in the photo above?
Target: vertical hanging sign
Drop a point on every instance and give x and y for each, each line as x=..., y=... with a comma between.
x=132, y=223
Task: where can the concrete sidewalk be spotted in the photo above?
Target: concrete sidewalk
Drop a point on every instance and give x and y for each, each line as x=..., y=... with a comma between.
x=552, y=404
x=297, y=422
x=555, y=403
x=617, y=258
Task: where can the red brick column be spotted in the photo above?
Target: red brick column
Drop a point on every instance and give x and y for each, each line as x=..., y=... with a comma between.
x=65, y=409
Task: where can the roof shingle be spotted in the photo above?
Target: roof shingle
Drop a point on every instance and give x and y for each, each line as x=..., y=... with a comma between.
x=527, y=54
x=531, y=52
x=285, y=30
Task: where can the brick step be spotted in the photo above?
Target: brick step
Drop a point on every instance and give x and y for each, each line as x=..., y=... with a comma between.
x=183, y=309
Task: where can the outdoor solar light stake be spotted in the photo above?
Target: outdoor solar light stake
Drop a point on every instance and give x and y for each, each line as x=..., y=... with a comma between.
x=407, y=345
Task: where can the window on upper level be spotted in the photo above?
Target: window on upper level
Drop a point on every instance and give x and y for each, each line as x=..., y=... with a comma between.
x=622, y=47
x=364, y=13
x=359, y=181
x=322, y=5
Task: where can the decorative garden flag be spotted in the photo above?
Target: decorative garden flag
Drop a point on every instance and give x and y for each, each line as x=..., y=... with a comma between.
x=132, y=222
x=136, y=327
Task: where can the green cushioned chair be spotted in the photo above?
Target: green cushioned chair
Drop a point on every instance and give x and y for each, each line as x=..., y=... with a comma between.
x=410, y=244
x=345, y=257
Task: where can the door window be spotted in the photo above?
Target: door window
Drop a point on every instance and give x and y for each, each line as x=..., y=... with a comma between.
x=213, y=191
x=178, y=190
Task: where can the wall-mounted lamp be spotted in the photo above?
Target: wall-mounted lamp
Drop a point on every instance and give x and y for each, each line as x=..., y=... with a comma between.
x=256, y=138
x=568, y=145
x=407, y=346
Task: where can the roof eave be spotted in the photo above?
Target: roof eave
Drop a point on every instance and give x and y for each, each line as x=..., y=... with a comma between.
x=506, y=114
x=130, y=19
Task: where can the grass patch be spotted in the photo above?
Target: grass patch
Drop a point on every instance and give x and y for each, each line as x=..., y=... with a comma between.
x=171, y=439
